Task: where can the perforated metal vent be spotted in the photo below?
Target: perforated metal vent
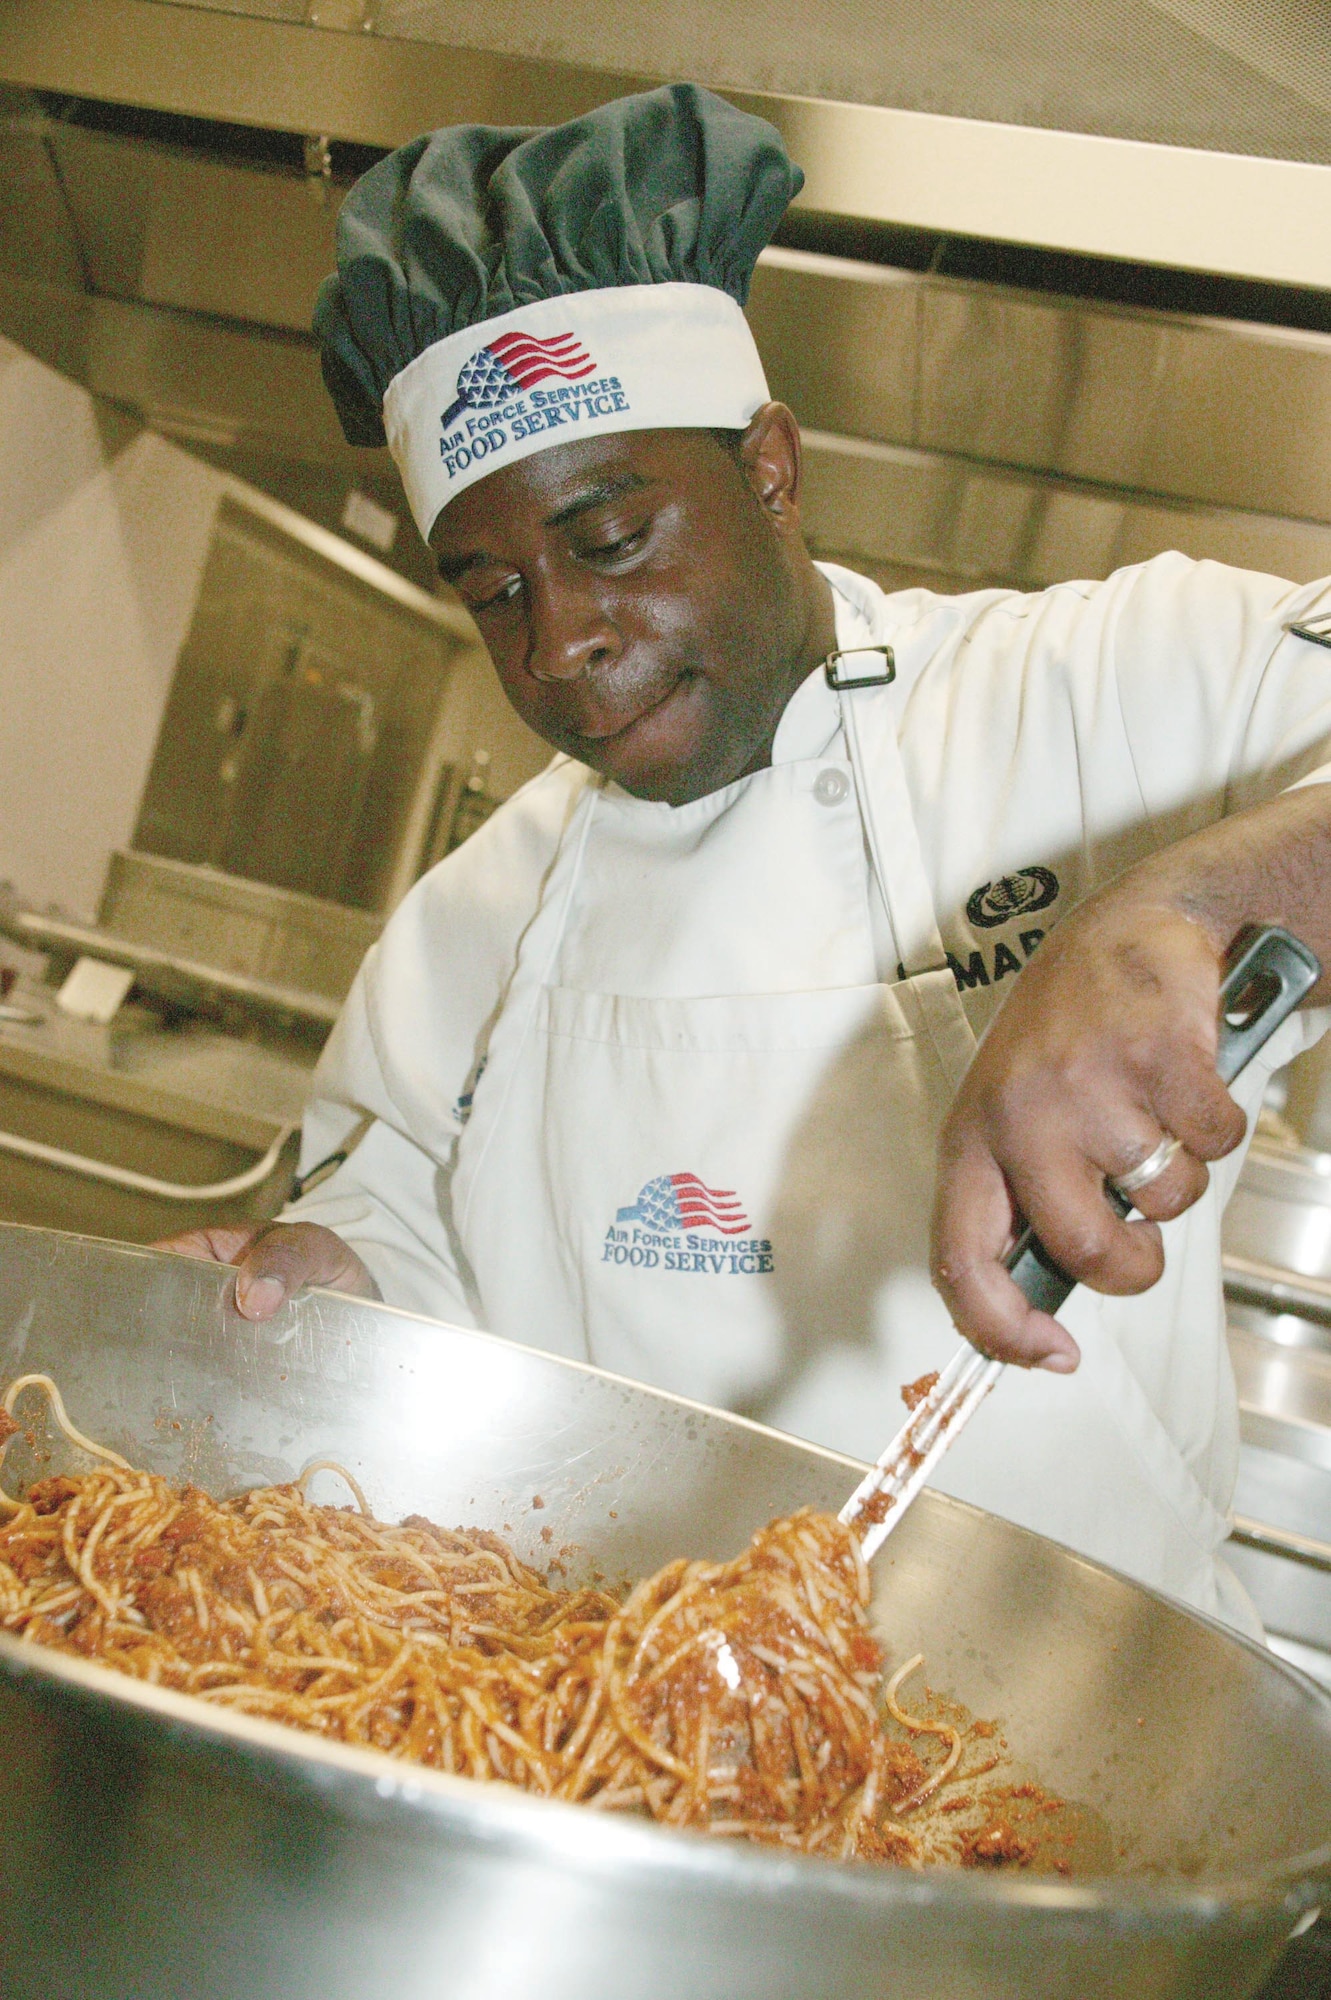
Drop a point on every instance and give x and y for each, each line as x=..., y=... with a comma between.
x=1244, y=76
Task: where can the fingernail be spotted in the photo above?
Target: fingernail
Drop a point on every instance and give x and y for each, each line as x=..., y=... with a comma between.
x=259, y=1297
x=1060, y=1363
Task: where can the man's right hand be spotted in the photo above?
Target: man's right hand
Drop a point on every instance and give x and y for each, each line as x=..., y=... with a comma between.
x=274, y=1259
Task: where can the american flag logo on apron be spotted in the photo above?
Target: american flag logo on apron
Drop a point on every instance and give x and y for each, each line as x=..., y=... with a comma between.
x=682, y=1201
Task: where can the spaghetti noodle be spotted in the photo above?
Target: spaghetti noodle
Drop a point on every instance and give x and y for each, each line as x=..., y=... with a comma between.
x=738, y=1698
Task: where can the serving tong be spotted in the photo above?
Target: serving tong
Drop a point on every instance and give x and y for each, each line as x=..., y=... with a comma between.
x=1269, y=973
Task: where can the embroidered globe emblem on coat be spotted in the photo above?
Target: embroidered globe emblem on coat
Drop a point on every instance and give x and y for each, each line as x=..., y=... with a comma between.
x=995, y=903
x=682, y=1201
x=513, y=363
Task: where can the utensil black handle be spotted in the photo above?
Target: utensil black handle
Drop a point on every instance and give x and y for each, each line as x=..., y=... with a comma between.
x=1268, y=974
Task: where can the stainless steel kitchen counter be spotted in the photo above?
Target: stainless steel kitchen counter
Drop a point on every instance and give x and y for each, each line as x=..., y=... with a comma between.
x=87, y=1113
x=207, y=1082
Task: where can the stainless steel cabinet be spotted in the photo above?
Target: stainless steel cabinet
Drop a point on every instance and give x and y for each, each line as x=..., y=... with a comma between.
x=1278, y=1278
x=297, y=741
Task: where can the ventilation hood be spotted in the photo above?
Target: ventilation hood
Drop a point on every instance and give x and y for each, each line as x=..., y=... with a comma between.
x=1192, y=133
x=169, y=178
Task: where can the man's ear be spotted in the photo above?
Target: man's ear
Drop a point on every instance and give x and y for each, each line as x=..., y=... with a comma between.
x=769, y=453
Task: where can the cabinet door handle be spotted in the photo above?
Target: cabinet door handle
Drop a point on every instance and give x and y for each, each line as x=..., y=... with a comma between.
x=1250, y=1282
x=1281, y=1542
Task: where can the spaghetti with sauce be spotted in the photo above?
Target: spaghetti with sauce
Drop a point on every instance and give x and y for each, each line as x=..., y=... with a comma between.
x=737, y=1698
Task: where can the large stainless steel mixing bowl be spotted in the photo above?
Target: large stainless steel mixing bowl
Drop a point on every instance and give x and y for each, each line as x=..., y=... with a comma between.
x=152, y=1849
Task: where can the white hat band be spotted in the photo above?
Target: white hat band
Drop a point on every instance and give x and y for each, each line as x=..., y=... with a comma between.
x=626, y=358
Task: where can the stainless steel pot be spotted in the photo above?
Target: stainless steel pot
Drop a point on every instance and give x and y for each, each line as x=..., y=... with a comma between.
x=152, y=1849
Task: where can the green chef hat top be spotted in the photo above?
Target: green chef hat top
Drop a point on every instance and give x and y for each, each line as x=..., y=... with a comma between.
x=501, y=290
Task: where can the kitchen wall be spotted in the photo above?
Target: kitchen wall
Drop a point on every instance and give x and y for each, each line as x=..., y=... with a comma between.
x=104, y=528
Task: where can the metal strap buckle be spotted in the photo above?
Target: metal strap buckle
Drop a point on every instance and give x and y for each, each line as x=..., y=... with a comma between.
x=304, y=1184
x=1316, y=627
x=884, y=668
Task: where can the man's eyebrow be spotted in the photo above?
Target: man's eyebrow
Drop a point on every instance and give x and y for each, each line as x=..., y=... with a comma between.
x=451, y=568
x=599, y=495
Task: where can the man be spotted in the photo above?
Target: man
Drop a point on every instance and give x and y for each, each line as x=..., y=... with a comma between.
x=656, y=1070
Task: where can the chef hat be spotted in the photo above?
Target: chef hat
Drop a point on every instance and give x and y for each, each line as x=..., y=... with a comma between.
x=500, y=290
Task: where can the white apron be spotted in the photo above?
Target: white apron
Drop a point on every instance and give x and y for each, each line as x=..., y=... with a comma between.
x=728, y=1195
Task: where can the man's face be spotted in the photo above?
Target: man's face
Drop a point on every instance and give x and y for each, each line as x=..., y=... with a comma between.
x=646, y=600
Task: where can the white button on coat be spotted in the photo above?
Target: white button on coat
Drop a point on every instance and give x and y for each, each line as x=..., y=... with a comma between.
x=830, y=787
x=659, y=1087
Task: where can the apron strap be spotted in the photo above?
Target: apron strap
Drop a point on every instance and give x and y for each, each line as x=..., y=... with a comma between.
x=572, y=849
x=537, y=956
x=890, y=831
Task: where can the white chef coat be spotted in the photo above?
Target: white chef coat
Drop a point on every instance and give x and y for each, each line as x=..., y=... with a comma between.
x=656, y=1087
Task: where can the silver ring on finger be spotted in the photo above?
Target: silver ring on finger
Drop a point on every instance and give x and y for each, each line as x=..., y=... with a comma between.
x=1150, y=1169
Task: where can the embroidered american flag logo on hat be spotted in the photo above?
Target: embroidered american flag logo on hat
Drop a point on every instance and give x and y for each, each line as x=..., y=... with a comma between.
x=682, y=1201
x=514, y=362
